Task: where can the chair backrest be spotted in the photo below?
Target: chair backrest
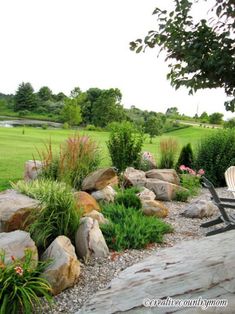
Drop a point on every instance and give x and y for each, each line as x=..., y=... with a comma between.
x=230, y=179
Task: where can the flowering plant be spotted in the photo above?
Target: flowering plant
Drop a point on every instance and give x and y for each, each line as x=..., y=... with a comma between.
x=21, y=284
x=190, y=180
x=198, y=173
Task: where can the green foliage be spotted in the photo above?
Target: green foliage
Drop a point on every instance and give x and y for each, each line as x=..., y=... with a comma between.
x=124, y=145
x=216, y=118
x=153, y=126
x=182, y=195
x=44, y=93
x=78, y=157
x=230, y=124
x=58, y=215
x=202, y=52
x=130, y=229
x=21, y=285
x=185, y=157
x=128, y=198
x=25, y=99
x=168, y=149
x=71, y=113
x=215, y=154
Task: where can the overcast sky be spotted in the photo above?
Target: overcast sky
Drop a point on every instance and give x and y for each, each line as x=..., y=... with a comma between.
x=85, y=43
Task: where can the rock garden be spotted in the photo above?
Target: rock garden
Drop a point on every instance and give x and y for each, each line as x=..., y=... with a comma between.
x=71, y=226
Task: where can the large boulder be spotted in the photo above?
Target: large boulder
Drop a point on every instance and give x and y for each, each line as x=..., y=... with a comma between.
x=89, y=240
x=148, y=161
x=14, y=210
x=134, y=177
x=86, y=202
x=15, y=243
x=64, y=270
x=154, y=208
x=107, y=194
x=32, y=169
x=146, y=195
x=198, y=270
x=99, y=179
x=164, y=191
x=168, y=175
x=200, y=209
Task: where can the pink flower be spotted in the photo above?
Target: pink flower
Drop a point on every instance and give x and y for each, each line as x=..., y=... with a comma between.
x=191, y=171
x=19, y=270
x=183, y=168
x=201, y=172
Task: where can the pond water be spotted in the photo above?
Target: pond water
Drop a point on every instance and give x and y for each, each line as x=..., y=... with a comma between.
x=4, y=122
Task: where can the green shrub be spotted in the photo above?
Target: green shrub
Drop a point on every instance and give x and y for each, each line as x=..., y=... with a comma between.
x=215, y=154
x=130, y=229
x=90, y=127
x=59, y=214
x=78, y=157
x=128, y=198
x=124, y=145
x=21, y=285
x=168, y=149
x=182, y=195
x=65, y=126
x=185, y=157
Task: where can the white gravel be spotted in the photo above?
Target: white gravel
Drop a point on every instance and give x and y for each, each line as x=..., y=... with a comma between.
x=99, y=272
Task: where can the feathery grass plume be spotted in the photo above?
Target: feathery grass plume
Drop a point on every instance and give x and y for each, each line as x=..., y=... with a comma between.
x=168, y=149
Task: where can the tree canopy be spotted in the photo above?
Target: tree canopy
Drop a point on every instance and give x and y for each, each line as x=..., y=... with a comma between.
x=202, y=54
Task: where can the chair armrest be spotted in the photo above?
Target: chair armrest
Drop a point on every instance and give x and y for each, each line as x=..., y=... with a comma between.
x=229, y=200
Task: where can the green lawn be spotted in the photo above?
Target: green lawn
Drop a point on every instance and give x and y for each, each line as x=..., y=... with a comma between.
x=17, y=146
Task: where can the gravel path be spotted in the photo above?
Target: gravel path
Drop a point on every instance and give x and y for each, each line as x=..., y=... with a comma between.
x=99, y=272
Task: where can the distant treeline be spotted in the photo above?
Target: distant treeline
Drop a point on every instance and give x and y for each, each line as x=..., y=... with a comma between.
x=94, y=108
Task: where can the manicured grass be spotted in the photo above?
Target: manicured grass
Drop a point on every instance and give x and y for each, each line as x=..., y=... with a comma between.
x=18, y=145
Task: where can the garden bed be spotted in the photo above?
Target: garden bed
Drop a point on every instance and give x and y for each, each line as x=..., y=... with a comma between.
x=98, y=272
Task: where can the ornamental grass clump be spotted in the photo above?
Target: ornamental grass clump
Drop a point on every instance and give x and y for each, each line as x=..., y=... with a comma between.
x=58, y=213
x=130, y=228
x=21, y=285
x=78, y=157
x=168, y=150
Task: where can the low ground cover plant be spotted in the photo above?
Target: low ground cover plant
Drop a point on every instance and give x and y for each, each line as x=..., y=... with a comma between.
x=128, y=198
x=21, y=285
x=130, y=229
x=58, y=215
x=78, y=156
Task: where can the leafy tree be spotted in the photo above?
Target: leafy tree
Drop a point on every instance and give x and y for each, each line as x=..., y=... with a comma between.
x=229, y=124
x=202, y=53
x=172, y=112
x=204, y=117
x=216, y=118
x=71, y=113
x=45, y=93
x=60, y=97
x=153, y=126
x=25, y=98
x=75, y=92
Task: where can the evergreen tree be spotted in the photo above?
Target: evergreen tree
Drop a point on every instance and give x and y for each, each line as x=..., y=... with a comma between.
x=185, y=157
x=25, y=98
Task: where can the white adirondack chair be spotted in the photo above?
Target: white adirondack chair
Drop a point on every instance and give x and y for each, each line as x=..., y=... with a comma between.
x=230, y=179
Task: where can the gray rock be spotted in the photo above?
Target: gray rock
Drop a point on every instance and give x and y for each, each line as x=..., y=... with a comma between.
x=200, y=209
x=94, y=214
x=32, y=169
x=168, y=175
x=146, y=195
x=194, y=269
x=164, y=191
x=134, y=177
x=14, y=210
x=15, y=243
x=64, y=270
x=107, y=194
x=99, y=179
x=89, y=240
